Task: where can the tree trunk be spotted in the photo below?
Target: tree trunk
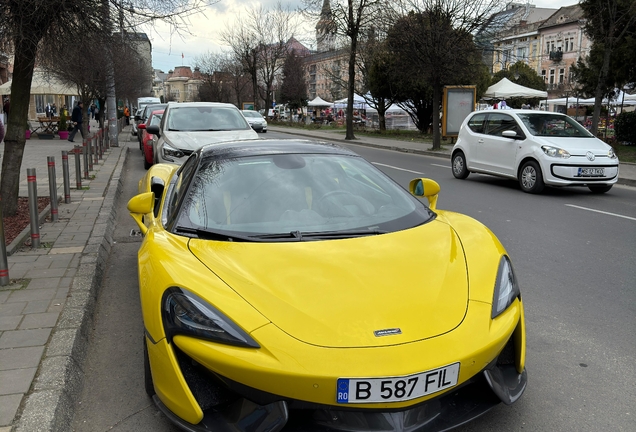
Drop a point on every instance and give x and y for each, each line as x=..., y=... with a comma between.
x=15, y=138
x=351, y=87
x=437, y=94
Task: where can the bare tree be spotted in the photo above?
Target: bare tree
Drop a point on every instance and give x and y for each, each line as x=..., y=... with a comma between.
x=260, y=43
x=353, y=19
x=34, y=25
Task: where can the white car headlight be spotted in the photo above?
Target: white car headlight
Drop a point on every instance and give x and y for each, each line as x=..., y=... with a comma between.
x=555, y=152
x=611, y=154
x=171, y=152
x=506, y=287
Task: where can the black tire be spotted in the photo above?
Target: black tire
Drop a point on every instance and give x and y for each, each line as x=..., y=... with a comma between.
x=146, y=164
x=264, y=131
x=458, y=166
x=531, y=178
x=600, y=189
x=149, y=386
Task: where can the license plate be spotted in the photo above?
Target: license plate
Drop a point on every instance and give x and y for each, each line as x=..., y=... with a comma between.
x=396, y=389
x=591, y=172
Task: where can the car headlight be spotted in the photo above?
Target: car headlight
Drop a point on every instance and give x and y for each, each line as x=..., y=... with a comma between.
x=555, y=152
x=186, y=313
x=611, y=154
x=506, y=287
x=171, y=152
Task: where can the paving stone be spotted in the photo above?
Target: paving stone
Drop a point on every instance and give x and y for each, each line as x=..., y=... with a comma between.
x=44, y=283
x=17, y=358
x=31, y=295
x=45, y=273
x=11, y=309
x=57, y=305
x=8, y=408
x=37, y=321
x=67, y=250
x=4, y=295
x=36, y=306
x=24, y=338
x=16, y=380
x=9, y=323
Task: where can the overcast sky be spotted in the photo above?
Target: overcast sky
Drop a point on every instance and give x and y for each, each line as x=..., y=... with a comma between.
x=206, y=29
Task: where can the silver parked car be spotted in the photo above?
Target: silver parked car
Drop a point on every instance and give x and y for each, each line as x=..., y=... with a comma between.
x=256, y=120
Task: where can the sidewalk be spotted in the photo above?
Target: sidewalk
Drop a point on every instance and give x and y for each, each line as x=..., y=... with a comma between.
x=627, y=171
x=46, y=317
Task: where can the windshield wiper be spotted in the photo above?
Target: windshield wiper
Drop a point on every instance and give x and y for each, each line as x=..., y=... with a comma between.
x=292, y=235
x=214, y=235
x=344, y=233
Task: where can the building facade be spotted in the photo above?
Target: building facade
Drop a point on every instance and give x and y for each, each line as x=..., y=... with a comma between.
x=142, y=46
x=182, y=84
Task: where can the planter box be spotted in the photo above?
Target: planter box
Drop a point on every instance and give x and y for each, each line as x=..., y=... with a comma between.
x=63, y=134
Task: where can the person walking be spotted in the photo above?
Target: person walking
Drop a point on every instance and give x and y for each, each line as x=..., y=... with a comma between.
x=127, y=114
x=76, y=118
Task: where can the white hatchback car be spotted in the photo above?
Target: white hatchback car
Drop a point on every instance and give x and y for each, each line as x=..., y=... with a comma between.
x=256, y=120
x=186, y=127
x=537, y=148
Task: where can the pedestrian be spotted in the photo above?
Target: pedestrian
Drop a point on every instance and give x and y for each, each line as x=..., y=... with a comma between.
x=127, y=114
x=1, y=131
x=53, y=110
x=5, y=107
x=76, y=119
x=92, y=110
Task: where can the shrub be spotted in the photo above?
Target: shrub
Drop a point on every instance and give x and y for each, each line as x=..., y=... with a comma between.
x=625, y=127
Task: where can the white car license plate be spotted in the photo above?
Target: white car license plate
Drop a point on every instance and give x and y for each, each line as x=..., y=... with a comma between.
x=396, y=389
x=591, y=172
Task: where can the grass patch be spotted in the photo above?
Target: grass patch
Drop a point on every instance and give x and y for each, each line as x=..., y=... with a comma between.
x=16, y=284
x=626, y=153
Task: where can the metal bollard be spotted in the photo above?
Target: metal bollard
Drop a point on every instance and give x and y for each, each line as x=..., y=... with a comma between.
x=100, y=143
x=50, y=161
x=33, y=208
x=90, y=153
x=78, y=167
x=85, y=157
x=95, y=150
x=67, y=178
x=4, y=264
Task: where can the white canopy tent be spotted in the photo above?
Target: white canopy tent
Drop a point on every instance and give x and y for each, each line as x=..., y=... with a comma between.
x=358, y=102
x=319, y=102
x=44, y=84
x=506, y=89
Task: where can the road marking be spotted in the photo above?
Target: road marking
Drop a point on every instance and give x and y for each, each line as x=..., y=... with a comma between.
x=599, y=211
x=399, y=169
x=443, y=166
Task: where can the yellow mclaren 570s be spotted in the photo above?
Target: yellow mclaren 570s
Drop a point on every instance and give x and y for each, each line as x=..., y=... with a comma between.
x=290, y=285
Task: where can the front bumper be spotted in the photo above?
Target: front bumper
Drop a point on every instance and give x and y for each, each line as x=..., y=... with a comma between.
x=198, y=392
x=567, y=174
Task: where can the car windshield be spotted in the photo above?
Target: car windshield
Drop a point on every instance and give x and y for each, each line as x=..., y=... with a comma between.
x=252, y=114
x=205, y=118
x=155, y=119
x=553, y=125
x=305, y=195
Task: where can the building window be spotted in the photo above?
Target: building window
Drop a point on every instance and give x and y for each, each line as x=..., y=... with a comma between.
x=551, y=76
x=543, y=75
x=561, y=75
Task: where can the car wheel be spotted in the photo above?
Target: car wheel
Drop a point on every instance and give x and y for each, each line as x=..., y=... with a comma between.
x=600, y=189
x=459, y=166
x=150, y=387
x=147, y=164
x=264, y=131
x=530, y=178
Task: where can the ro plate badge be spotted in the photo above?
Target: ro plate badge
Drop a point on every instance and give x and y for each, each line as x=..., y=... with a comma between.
x=396, y=389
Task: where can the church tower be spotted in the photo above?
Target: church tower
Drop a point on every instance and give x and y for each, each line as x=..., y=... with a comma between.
x=326, y=29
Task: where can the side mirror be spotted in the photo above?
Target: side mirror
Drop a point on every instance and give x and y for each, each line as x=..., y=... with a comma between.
x=141, y=205
x=137, y=118
x=153, y=130
x=424, y=187
x=141, y=126
x=510, y=134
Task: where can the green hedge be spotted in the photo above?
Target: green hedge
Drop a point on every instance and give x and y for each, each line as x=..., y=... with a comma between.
x=625, y=127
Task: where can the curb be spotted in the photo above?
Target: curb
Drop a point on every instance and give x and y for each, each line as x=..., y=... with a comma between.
x=57, y=387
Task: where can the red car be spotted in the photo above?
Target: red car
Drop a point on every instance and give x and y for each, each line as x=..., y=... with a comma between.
x=147, y=139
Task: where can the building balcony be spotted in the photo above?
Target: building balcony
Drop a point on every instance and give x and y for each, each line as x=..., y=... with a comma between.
x=556, y=55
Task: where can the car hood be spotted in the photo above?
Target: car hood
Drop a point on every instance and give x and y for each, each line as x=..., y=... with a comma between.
x=196, y=140
x=362, y=292
x=575, y=145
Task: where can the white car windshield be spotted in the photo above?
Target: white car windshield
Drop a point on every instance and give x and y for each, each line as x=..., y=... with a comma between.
x=553, y=125
x=205, y=118
x=303, y=193
x=252, y=114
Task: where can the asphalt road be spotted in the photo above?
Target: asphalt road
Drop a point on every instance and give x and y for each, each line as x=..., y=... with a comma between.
x=575, y=257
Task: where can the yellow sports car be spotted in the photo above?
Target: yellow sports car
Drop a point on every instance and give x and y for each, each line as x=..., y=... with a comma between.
x=290, y=285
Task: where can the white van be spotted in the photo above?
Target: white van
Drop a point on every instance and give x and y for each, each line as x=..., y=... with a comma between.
x=143, y=101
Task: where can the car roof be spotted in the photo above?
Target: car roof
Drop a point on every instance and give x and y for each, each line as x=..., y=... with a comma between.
x=272, y=146
x=157, y=112
x=200, y=104
x=517, y=111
